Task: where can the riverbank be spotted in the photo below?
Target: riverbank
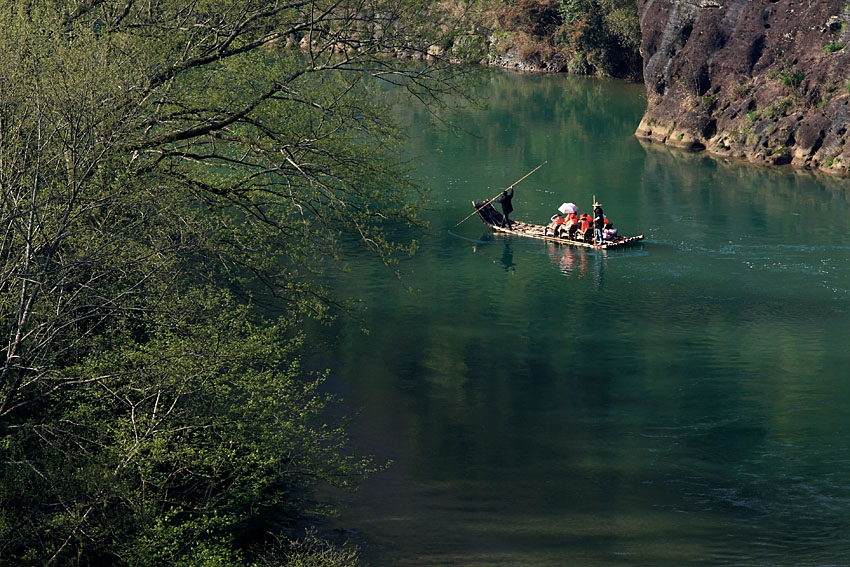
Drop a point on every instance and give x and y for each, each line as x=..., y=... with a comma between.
x=553, y=36
x=540, y=36
x=762, y=81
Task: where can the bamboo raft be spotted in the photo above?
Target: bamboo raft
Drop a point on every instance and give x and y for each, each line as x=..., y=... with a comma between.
x=493, y=218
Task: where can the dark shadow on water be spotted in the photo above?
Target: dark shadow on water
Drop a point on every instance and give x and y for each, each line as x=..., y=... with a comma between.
x=485, y=237
x=508, y=257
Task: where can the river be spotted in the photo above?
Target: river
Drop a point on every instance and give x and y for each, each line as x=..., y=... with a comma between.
x=682, y=401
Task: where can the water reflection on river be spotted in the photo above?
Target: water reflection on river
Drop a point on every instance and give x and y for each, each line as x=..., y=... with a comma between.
x=682, y=401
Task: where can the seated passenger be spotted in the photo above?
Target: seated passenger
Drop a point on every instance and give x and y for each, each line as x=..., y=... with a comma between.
x=608, y=231
x=554, y=225
x=569, y=227
x=585, y=224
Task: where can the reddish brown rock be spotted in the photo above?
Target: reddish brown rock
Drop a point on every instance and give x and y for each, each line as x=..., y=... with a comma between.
x=768, y=81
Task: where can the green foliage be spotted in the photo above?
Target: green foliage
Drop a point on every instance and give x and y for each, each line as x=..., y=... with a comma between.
x=578, y=65
x=535, y=17
x=784, y=106
x=470, y=48
x=741, y=91
x=173, y=184
x=833, y=46
x=606, y=33
x=788, y=76
x=573, y=11
x=599, y=37
x=308, y=552
x=793, y=79
x=623, y=24
x=752, y=140
x=189, y=440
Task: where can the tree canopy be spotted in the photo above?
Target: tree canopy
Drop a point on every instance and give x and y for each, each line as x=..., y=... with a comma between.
x=586, y=37
x=166, y=169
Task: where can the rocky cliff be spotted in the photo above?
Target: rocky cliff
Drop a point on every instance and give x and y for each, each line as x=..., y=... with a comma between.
x=768, y=81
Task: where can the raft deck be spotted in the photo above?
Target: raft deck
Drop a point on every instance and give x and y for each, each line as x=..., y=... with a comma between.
x=493, y=218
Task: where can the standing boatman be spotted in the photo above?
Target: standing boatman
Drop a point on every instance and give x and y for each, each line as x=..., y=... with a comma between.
x=598, y=222
x=507, y=208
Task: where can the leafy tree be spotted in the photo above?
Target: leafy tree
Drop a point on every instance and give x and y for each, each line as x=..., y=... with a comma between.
x=598, y=37
x=166, y=167
x=604, y=36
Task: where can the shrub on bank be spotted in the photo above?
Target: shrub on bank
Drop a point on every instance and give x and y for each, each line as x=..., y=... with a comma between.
x=590, y=37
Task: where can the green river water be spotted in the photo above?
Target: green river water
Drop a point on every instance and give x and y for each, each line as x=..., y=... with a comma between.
x=683, y=401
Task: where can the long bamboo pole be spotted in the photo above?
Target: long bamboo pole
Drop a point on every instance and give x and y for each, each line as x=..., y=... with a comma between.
x=500, y=192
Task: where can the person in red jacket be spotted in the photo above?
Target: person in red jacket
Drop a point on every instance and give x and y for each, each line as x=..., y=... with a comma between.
x=570, y=222
x=586, y=226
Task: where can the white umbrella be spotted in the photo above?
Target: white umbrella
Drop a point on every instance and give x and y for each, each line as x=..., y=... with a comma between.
x=568, y=208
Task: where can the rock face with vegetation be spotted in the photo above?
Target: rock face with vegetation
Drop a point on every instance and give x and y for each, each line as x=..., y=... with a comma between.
x=756, y=79
x=584, y=37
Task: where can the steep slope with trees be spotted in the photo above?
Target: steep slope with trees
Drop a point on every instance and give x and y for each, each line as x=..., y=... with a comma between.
x=585, y=37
